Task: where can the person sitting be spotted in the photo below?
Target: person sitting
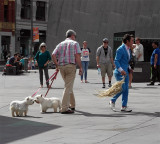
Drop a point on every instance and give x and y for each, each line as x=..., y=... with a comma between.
x=13, y=61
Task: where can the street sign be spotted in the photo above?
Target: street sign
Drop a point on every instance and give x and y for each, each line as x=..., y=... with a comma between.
x=35, y=34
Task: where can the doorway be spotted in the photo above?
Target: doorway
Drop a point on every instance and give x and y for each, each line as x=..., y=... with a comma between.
x=5, y=47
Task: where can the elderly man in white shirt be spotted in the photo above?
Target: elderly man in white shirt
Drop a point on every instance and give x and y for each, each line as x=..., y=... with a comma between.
x=138, y=50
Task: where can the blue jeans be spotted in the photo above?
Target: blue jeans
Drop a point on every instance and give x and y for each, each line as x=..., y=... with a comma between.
x=85, y=68
x=124, y=91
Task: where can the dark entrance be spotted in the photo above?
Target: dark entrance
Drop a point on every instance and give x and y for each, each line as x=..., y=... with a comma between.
x=5, y=45
x=117, y=41
x=148, y=49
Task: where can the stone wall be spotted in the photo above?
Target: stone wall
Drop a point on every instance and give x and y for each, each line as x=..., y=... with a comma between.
x=95, y=19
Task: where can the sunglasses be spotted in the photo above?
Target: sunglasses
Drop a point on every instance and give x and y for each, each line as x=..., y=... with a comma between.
x=42, y=46
x=105, y=42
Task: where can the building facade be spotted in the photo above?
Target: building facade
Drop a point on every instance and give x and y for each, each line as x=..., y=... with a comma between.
x=7, y=28
x=30, y=14
x=94, y=20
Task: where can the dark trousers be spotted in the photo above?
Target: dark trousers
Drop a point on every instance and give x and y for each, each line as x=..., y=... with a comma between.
x=18, y=67
x=45, y=73
x=155, y=74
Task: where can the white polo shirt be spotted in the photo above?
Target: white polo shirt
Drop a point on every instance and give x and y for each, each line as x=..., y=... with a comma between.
x=139, y=50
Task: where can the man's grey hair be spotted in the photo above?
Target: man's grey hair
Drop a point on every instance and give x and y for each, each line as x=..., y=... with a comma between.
x=70, y=32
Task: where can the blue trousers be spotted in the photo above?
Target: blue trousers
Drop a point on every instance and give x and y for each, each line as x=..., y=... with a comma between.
x=124, y=91
x=85, y=68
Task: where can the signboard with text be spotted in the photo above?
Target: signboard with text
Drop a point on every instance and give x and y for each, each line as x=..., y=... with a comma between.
x=35, y=34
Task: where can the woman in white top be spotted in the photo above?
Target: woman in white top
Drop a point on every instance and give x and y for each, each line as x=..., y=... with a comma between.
x=85, y=60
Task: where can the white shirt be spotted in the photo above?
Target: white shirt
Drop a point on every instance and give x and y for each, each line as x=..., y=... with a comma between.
x=85, y=54
x=139, y=50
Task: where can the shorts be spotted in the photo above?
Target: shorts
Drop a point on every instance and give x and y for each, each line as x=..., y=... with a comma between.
x=106, y=68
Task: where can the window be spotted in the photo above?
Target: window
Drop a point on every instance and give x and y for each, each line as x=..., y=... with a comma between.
x=40, y=13
x=6, y=13
x=26, y=9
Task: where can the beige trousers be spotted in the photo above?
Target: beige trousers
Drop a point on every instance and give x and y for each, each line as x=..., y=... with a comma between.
x=68, y=74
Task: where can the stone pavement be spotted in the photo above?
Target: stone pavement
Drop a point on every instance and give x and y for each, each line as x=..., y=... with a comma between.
x=92, y=123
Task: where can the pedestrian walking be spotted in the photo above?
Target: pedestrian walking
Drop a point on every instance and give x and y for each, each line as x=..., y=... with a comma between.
x=155, y=64
x=122, y=59
x=104, y=58
x=68, y=52
x=132, y=63
x=85, y=60
x=43, y=58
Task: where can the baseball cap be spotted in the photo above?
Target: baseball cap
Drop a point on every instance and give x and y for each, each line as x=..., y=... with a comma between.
x=105, y=40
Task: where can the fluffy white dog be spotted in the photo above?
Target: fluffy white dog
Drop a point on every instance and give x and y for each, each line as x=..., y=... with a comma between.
x=46, y=103
x=21, y=107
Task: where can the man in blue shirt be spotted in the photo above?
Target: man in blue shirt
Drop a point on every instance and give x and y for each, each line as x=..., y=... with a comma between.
x=155, y=64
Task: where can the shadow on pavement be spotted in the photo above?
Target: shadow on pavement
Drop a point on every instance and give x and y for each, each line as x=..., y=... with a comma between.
x=119, y=114
x=12, y=129
x=136, y=88
x=98, y=115
x=155, y=114
x=53, y=87
x=95, y=83
x=32, y=117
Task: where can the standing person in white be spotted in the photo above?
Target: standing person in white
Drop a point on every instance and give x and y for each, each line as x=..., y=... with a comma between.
x=85, y=51
x=138, y=50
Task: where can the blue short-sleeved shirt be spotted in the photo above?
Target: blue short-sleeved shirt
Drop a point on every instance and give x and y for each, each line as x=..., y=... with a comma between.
x=156, y=51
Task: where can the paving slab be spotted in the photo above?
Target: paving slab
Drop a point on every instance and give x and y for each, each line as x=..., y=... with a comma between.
x=92, y=123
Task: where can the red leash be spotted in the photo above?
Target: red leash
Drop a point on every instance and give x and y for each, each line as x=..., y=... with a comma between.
x=36, y=92
x=52, y=82
x=52, y=77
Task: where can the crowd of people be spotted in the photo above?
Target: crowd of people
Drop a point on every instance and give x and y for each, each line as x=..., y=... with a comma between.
x=68, y=54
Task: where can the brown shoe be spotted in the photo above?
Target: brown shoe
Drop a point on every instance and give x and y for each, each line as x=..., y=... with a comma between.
x=69, y=111
x=72, y=108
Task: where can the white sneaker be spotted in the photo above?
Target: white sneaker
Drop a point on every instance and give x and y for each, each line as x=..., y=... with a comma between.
x=125, y=109
x=112, y=105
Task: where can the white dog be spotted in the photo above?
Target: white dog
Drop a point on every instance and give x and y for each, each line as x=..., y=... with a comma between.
x=21, y=107
x=48, y=103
